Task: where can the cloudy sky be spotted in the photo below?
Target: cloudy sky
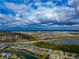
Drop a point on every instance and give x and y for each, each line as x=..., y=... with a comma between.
x=39, y=14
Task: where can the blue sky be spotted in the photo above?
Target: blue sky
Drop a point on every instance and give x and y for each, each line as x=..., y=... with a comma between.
x=39, y=14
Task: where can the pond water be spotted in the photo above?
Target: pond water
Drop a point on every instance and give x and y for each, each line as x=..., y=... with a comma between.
x=26, y=56
x=67, y=42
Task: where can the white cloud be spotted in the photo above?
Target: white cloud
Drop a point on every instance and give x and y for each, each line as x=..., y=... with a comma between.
x=1, y=15
x=8, y=17
x=44, y=13
x=78, y=9
x=64, y=12
x=70, y=2
x=49, y=3
x=25, y=14
x=18, y=8
x=17, y=17
x=13, y=6
x=73, y=3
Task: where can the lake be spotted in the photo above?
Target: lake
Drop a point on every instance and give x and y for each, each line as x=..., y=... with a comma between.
x=67, y=42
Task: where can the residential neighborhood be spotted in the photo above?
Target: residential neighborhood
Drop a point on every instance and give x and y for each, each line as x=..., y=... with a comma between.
x=39, y=45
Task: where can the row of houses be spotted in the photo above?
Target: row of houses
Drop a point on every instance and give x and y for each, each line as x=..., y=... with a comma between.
x=53, y=54
x=63, y=55
x=3, y=45
x=9, y=56
x=31, y=48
